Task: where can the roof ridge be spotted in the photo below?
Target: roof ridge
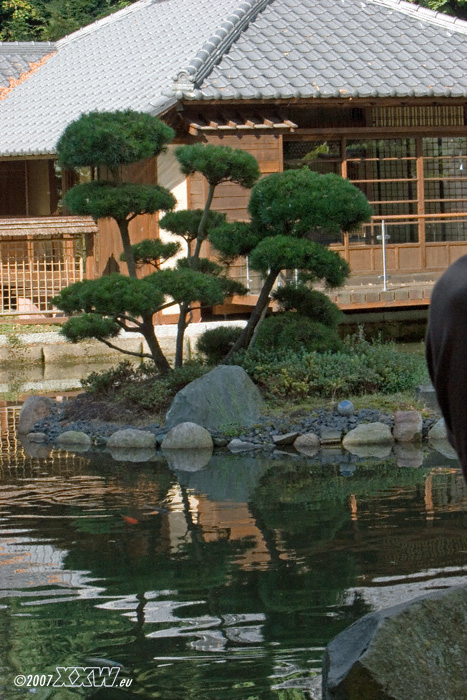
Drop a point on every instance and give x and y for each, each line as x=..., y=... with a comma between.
x=423, y=13
x=108, y=19
x=7, y=46
x=217, y=44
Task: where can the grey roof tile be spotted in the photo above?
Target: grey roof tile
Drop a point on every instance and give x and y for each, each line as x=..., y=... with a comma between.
x=16, y=58
x=154, y=52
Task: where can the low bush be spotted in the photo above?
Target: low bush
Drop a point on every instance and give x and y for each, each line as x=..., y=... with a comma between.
x=141, y=387
x=215, y=343
x=292, y=331
x=361, y=367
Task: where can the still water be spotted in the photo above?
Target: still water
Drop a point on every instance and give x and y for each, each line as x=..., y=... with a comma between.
x=223, y=583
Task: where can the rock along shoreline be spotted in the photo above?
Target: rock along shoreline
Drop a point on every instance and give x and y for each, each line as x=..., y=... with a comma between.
x=304, y=434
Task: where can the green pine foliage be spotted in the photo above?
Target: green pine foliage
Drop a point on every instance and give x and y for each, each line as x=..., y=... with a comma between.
x=112, y=139
x=90, y=326
x=153, y=252
x=101, y=199
x=308, y=302
x=303, y=203
x=185, y=222
x=285, y=253
x=219, y=164
x=100, y=308
x=292, y=214
x=234, y=239
x=113, y=296
x=215, y=343
x=291, y=331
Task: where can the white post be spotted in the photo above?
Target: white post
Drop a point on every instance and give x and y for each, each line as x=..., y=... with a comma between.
x=383, y=242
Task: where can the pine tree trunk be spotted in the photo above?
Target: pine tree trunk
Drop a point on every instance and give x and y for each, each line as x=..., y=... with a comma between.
x=202, y=224
x=246, y=337
x=147, y=330
x=181, y=328
x=130, y=261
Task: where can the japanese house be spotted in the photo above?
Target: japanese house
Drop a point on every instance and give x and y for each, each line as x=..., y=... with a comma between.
x=374, y=90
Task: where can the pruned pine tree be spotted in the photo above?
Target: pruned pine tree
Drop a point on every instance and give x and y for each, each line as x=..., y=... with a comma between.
x=103, y=307
x=218, y=164
x=293, y=215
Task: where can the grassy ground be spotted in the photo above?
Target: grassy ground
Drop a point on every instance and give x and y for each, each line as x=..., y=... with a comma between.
x=387, y=403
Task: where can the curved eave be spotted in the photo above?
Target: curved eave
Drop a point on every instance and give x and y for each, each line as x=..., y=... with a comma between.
x=22, y=154
x=219, y=95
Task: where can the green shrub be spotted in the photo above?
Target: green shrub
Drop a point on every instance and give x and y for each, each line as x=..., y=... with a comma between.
x=360, y=368
x=308, y=302
x=103, y=383
x=215, y=343
x=290, y=330
x=141, y=387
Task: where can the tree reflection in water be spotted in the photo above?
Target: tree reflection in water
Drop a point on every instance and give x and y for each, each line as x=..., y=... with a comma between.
x=226, y=582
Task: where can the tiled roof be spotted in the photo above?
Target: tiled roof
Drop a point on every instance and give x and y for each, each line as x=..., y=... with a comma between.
x=16, y=58
x=126, y=60
x=340, y=48
x=155, y=52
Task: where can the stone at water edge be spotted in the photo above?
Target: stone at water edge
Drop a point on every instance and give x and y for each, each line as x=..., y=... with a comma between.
x=413, y=651
x=131, y=438
x=187, y=436
x=285, y=439
x=74, y=439
x=307, y=444
x=224, y=396
x=438, y=431
x=237, y=445
x=368, y=434
x=408, y=426
x=34, y=409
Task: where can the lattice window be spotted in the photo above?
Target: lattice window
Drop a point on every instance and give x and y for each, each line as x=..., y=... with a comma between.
x=445, y=186
x=446, y=115
x=386, y=171
x=34, y=271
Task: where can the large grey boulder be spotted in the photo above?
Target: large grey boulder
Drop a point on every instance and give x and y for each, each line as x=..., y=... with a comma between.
x=408, y=426
x=413, y=651
x=222, y=397
x=33, y=409
x=187, y=436
x=368, y=434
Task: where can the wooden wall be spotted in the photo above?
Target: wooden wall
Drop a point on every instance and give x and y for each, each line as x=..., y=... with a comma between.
x=229, y=198
x=109, y=245
x=233, y=199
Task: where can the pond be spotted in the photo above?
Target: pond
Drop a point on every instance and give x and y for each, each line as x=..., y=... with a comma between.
x=225, y=582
